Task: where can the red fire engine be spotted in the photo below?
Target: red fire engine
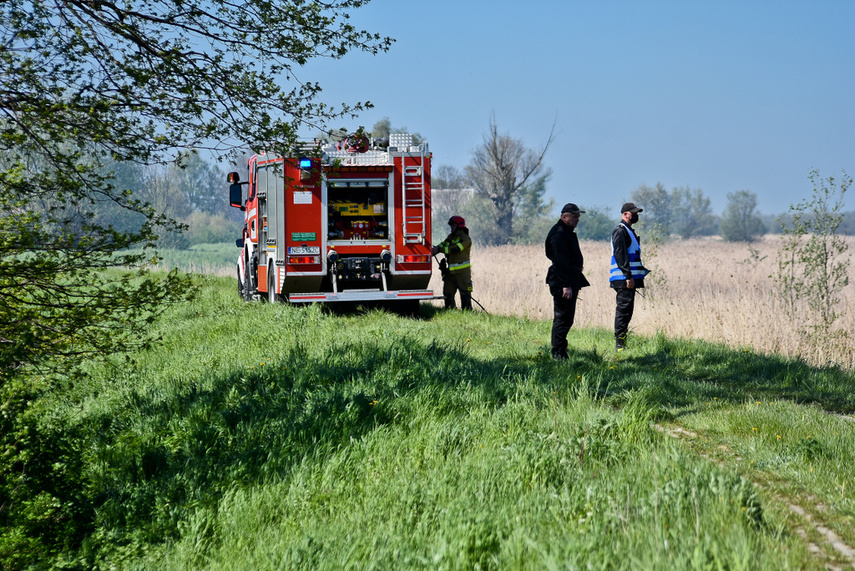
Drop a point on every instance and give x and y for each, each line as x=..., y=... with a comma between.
x=347, y=222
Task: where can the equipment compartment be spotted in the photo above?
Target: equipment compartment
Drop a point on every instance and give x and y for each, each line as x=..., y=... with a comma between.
x=358, y=209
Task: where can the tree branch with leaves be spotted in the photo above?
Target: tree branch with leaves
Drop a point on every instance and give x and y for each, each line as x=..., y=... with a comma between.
x=89, y=84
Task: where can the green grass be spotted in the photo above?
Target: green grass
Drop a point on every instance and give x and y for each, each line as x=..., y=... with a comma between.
x=262, y=436
x=201, y=258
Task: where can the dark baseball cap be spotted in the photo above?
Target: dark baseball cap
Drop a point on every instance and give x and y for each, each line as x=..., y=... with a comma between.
x=571, y=208
x=630, y=207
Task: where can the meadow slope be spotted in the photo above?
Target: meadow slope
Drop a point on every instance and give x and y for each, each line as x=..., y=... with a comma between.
x=274, y=437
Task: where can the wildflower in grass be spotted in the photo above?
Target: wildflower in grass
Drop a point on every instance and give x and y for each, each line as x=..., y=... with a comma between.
x=779, y=436
x=754, y=428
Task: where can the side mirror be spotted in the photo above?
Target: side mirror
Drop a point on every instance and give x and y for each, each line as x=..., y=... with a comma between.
x=239, y=242
x=235, y=196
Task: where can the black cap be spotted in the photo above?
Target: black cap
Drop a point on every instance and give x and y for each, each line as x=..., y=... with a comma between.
x=630, y=207
x=572, y=208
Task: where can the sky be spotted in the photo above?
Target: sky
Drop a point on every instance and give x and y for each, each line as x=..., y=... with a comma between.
x=719, y=95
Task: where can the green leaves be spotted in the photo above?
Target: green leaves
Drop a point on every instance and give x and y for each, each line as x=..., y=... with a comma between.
x=813, y=267
x=86, y=85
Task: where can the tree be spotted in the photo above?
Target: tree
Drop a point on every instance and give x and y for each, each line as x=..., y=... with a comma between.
x=508, y=174
x=596, y=224
x=447, y=177
x=383, y=128
x=201, y=183
x=448, y=197
x=656, y=202
x=691, y=213
x=532, y=221
x=813, y=267
x=740, y=221
x=89, y=84
x=86, y=86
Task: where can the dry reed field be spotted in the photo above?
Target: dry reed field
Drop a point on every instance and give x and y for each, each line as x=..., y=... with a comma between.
x=702, y=288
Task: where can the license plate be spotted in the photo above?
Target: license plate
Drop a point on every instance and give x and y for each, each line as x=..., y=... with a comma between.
x=304, y=250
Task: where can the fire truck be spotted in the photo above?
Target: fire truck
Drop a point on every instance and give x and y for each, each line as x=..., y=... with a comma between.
x=342, y=222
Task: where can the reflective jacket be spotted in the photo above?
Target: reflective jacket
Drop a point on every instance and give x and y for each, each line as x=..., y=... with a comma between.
x=626, y=258
x=456, y=249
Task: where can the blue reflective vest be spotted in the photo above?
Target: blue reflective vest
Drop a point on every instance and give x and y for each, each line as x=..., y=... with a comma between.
x=634, y=251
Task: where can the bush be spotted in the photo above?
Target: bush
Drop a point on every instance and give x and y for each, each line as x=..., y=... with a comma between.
x=204, y=228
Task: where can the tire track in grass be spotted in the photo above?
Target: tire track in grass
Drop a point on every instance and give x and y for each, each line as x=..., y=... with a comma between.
x=831, y=539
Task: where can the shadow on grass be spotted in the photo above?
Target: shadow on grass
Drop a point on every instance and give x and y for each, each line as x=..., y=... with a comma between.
x=160, y=458
x=686, y=372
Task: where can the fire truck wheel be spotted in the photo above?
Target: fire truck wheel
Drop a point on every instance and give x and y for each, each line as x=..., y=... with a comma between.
x=247, y=287
x=271, y=285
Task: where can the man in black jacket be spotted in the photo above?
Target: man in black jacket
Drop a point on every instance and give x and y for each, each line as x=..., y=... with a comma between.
x=564, y=277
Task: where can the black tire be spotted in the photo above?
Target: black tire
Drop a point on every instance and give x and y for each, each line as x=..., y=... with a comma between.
x=247, y=287
x=241, y=285
x=271, y=285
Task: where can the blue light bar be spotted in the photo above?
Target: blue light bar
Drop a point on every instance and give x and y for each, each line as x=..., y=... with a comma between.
x=305, y=163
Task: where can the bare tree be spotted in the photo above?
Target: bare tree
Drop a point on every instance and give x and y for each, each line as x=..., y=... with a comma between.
x=504, y=171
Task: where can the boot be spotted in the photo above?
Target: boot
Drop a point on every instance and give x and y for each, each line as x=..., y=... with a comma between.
x=620, y=342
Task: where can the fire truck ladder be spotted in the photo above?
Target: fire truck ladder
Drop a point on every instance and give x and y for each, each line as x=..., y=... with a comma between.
x=413, y=176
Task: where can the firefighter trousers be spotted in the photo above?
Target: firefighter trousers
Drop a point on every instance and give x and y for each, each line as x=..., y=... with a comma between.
x=452, y=282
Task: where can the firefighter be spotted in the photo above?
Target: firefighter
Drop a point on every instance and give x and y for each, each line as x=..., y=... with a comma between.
x=458, y=275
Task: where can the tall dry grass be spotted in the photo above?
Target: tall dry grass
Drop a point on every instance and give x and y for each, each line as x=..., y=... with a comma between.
x=699, y=289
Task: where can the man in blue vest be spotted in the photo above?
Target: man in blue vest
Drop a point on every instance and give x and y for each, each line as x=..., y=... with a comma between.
x=626, y=274
x=564, y=276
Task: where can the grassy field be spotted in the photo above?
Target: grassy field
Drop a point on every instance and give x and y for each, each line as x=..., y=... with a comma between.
x=262, y=436
x=699, y=289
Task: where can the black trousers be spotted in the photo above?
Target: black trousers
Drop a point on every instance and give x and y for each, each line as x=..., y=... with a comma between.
x=624, y=305
x=564, y=312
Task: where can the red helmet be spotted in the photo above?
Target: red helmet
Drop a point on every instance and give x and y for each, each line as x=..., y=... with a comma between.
x=457, y=220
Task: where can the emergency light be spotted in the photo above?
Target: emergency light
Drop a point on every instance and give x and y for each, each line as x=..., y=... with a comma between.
x=305, y=165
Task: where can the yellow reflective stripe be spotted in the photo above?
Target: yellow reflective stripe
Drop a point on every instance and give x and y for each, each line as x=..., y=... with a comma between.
x=459, y=266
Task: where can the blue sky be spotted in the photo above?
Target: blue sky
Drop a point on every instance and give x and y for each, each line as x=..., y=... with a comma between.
x=719, y=95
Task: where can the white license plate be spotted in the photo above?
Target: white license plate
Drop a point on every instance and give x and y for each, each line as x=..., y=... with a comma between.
x=304, y=250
